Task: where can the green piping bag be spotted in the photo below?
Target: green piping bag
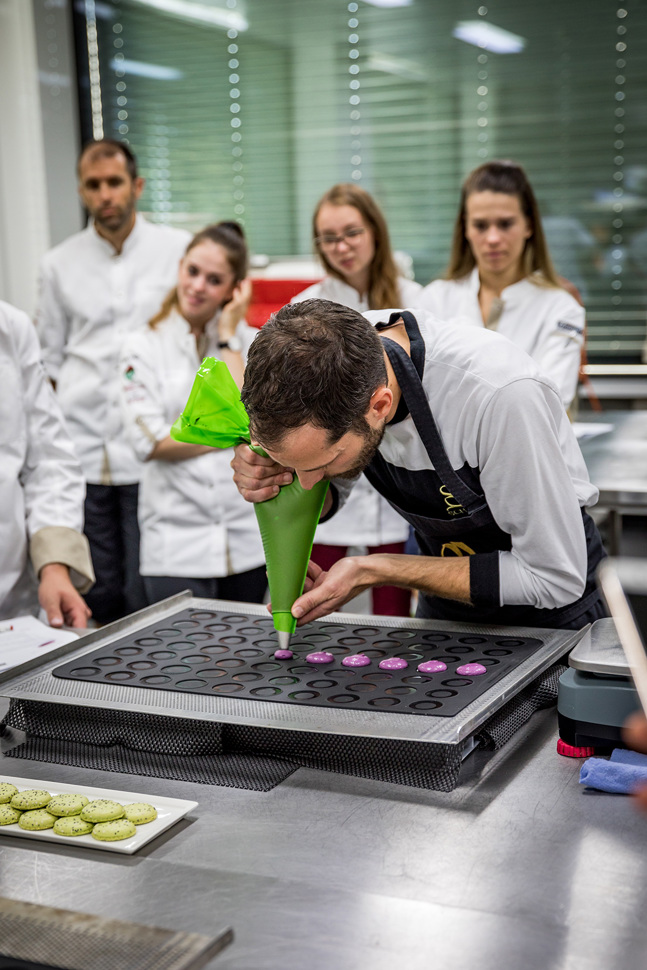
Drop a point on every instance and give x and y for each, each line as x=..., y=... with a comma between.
x=214, y=415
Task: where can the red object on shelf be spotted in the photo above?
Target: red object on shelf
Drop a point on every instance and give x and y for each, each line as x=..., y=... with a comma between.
x=569, y=751
x=269, y=295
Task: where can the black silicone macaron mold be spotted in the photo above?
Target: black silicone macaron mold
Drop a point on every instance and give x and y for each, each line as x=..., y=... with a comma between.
x=218, y=653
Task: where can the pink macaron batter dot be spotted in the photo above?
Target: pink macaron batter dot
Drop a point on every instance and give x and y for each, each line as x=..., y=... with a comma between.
x=471, y=670
x=356, y=660
x=432, y=667
x=393, y=663
x=318, y=657
x=283, y=654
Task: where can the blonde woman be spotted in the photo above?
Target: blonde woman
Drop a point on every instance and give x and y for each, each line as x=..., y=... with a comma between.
x=196, y=530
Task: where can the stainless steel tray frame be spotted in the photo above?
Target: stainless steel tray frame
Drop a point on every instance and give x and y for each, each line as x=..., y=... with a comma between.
x=38, y=684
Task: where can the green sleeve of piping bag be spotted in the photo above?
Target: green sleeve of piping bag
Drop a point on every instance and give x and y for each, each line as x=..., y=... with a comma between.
x=214, y=413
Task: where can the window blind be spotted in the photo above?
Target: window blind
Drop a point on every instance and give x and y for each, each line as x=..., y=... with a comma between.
x=256, y=123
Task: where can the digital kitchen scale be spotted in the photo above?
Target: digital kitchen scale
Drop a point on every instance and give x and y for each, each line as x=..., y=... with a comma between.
x=596, y=694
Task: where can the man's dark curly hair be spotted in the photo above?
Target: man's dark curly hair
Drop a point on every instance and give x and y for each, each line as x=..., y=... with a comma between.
x=315, y=363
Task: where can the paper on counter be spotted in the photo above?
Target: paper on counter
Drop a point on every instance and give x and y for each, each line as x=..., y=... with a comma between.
x=25, y=637
x=590, y=429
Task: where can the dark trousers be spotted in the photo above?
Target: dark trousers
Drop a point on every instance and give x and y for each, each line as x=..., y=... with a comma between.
x=113, y=533
x=247, y=587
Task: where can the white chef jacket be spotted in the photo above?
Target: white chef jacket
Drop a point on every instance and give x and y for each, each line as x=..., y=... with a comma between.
x=501, y=417
x=366, y=519
x=91, y=297
x=192, y=518
x=544, y=321
x=41, y=484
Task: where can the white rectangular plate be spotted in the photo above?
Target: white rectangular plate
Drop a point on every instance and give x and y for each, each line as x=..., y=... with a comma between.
x=169, y=811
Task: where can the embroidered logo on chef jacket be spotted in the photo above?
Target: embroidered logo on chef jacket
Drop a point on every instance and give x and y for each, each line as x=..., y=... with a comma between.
x=453, y=507
x=571, y=327
x=129, y=373
x=456, y=549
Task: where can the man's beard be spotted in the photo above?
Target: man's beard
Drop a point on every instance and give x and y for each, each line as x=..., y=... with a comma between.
x=372, y=440
x=120, y=218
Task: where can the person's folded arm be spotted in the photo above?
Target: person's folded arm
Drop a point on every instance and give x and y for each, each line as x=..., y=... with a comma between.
x=142, y=406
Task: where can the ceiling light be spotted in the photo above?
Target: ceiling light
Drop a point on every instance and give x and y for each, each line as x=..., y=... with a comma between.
x=489, y=37
x=142, y=69
x=389, y=3
x=198, y=13
x=399, y=66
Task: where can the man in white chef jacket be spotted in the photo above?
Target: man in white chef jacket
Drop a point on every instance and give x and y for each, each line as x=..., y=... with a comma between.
x=96, y=287
x=44, y=556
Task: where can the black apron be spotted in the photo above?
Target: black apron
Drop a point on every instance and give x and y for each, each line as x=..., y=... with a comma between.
x=449, y=512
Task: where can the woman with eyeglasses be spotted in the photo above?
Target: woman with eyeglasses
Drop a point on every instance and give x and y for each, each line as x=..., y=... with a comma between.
x=197, y=532
x=500, y=275
x=351, y=239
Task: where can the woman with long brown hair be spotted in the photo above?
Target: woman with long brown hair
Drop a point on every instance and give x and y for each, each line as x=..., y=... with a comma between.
x=500, y=274
x=351, y=237
x=196, y=530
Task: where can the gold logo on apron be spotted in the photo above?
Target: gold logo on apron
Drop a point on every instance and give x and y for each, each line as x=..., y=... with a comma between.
x=456, y=549
x=453, y=507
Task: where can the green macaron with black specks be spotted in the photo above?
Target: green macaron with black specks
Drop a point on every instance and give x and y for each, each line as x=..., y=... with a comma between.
x=140, y=813
x=71, y=825
x=67, y=804
x=7, y=791
x=102, y=810
x=119, y=828
x=36, y=820
x=9, y=815
x=32, y=798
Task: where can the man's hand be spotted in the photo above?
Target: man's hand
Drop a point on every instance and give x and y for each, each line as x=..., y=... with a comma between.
x=60, y=600
x=326, y=592
x=258, y=478
x=634, y=734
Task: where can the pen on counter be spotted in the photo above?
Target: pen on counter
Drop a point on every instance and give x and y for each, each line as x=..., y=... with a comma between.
x=46, y=644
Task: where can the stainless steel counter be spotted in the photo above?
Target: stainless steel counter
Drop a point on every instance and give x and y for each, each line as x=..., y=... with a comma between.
x=517, y=869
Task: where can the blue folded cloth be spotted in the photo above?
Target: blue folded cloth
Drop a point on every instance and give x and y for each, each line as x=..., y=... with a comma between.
x=622, y=773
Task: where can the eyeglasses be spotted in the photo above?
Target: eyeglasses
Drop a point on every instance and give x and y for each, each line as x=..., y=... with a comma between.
x=329, y=240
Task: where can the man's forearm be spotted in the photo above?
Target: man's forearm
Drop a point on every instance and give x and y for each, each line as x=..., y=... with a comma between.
x=437, y=576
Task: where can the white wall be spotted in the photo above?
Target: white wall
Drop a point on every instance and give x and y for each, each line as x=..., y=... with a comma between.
x=38, y=141
x=24, y=221
x=59, y=110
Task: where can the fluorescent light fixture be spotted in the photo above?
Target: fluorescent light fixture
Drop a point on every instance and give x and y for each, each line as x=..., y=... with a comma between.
x=489, y=37
x=398, y=66
x=141, y=69
x=389, y=3
x=198, y=13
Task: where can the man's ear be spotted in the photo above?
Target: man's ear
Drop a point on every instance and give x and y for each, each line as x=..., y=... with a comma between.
x=138, y=186
x=379, y=406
